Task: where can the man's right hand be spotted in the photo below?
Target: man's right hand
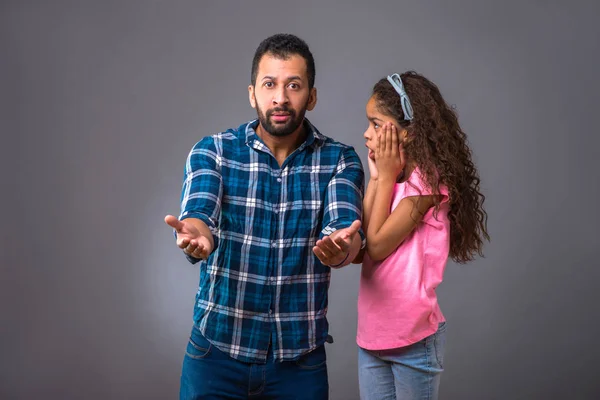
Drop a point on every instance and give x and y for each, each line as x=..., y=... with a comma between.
x=190, y=238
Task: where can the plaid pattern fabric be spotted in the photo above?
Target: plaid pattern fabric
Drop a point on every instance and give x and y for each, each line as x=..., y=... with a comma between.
x=262, y=285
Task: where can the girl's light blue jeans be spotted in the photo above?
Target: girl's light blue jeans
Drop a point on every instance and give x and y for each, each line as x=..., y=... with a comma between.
x=405, y=373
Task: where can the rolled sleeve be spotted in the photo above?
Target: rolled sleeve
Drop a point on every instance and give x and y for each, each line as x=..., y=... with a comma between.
x=345, y=191
x=203, y=186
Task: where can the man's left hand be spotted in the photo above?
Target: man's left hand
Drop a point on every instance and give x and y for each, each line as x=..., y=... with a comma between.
x=333, y=250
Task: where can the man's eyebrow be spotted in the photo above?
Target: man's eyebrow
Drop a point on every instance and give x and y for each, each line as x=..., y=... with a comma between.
x=289, y=78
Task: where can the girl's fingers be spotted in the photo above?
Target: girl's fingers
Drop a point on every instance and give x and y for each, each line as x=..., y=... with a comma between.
x=394, y=140
x=388, y=137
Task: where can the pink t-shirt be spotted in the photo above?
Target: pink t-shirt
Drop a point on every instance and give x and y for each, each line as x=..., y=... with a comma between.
x=397, y=303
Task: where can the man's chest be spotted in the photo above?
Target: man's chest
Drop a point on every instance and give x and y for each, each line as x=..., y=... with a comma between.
x=264, y=199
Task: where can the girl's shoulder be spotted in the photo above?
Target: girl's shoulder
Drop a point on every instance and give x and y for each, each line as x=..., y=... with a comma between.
x=417, y=184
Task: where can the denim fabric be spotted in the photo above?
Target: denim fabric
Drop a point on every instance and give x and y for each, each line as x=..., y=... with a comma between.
x=405, y=373
x=211, y=374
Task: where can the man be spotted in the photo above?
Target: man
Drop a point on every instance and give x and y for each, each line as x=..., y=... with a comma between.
x=268, y=208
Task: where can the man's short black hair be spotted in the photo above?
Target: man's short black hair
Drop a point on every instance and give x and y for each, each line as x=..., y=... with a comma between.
x=282, y=46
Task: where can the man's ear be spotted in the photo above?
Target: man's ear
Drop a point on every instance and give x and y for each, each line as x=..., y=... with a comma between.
x=251, y=96
x=312, y=99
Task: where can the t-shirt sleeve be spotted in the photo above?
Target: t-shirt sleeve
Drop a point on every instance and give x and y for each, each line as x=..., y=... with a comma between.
x=416, y=185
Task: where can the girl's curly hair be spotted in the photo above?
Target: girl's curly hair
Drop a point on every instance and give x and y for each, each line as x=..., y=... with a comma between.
x=438, y=146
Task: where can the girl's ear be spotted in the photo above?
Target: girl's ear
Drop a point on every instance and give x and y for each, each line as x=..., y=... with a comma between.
x=405, y=136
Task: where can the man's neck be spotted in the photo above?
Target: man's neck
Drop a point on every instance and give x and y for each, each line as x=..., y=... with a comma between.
x=282, y=146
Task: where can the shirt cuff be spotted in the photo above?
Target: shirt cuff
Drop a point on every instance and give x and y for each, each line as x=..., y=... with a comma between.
x=329, y=229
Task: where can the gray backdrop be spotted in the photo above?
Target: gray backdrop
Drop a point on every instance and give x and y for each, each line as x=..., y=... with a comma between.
x=101, y=102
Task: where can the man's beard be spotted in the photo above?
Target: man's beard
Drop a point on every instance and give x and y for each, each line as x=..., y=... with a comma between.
x=281, y=129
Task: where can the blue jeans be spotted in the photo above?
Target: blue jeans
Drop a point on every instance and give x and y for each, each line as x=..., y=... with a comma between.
x=405, y=373
x=208, y=373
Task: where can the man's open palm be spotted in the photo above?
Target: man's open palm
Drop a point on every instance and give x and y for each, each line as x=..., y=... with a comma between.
x=333, y=250
x=189, y=238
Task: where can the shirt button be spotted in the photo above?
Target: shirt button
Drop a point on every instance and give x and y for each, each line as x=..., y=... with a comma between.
x=270, y=312
x=278, y=179
x=273, y=243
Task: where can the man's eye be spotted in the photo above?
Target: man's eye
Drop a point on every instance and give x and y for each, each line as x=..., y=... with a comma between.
x=269, y=84
x=294, y=85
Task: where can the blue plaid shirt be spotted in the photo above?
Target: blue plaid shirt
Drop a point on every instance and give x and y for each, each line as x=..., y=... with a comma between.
x=262, y=285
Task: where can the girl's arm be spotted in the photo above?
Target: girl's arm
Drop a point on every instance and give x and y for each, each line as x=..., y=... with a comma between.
x=385, y=232
x=368, y=203
x=367, y=207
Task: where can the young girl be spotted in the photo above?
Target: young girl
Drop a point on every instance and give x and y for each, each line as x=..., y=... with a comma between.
x=422, y=205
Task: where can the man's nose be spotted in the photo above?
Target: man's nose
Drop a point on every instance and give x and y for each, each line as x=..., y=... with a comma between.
x=280, y=96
